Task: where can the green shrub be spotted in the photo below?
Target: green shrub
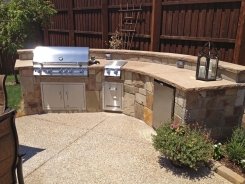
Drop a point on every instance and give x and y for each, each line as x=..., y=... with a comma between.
x=242, y=164
x=183, y=145
x=235, y=147
x=219, y=151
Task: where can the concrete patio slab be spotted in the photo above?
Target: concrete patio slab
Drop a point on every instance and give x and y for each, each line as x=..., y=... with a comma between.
x=116, y=149
x=81, y=120
x=43, y=139
x=126, y=127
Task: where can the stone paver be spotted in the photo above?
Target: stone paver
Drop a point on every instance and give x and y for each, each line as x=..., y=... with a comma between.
x=96, y=148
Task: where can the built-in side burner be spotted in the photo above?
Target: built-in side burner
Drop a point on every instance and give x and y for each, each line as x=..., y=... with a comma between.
x=113, y=91
x=113, y=68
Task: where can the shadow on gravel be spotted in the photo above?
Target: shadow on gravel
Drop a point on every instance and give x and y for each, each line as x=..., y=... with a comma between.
x=203, y=172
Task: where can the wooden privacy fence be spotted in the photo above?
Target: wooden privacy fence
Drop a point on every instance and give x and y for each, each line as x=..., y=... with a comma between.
x=176, y=26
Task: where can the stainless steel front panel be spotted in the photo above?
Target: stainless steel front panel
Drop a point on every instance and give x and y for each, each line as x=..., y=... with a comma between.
x=112, y=96
x=61, y=55
x=61, y=71
x=163, y=104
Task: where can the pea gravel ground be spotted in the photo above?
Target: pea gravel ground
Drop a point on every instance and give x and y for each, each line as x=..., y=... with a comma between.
x=94, y=148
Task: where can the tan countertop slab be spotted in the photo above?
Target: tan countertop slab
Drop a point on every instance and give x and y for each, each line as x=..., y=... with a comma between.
x=23, y=64
x=177, y=77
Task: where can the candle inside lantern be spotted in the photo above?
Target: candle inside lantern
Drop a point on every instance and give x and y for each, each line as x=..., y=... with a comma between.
x=202, y=72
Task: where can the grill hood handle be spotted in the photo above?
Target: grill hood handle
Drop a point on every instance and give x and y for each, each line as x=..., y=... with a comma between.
x=38, y=63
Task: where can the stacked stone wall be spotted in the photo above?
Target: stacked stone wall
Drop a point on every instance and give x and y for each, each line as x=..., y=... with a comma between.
x=31, y=92
x=138, y=96
x=217, y=110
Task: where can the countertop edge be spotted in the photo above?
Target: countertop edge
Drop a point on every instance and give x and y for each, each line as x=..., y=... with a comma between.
x=20, y=64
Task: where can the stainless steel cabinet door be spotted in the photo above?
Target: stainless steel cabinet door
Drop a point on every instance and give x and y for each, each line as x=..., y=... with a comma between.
x=112, y=96
x=52, y=96
x=163, y=104
x=63, y=96
x=74, y=96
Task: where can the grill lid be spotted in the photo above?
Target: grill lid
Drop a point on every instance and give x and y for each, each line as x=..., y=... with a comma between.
x=61, y=55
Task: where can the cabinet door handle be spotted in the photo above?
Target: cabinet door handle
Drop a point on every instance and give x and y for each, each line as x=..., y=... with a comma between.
x=67, y=95
x=113, y=88
x=60, y=95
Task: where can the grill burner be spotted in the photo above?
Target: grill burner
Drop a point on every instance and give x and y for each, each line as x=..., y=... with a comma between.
x=113, y=68
x=61, y=61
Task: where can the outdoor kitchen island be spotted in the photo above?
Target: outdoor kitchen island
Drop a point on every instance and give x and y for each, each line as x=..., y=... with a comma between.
x=219, y=105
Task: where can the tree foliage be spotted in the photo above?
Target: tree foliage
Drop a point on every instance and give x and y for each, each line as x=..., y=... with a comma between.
x=18, y=18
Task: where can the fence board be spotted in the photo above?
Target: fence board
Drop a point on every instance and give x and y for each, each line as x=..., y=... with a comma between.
x=184, y=25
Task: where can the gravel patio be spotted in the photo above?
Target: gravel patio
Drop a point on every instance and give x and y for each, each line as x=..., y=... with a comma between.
x=96, y=148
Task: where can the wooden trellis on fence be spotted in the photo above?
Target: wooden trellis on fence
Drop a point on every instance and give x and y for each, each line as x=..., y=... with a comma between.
x=129, y=19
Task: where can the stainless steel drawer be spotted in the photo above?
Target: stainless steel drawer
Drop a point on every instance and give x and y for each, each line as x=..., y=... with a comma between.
x=112, y=96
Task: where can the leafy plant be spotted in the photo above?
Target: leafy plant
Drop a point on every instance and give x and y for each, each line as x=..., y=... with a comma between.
x=116, y=41
x=219, y=151
x=184, y=145
x=236, y=146
x=19, y=18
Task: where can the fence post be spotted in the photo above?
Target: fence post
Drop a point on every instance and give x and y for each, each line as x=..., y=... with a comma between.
x=239, y=54
x=71, y=23
x=156, y=20
x=104, y=17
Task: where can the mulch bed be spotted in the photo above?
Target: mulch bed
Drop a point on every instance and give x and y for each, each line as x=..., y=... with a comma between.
x=232, y=166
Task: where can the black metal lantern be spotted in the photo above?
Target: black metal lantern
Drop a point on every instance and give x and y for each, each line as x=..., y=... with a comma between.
x=207, y=63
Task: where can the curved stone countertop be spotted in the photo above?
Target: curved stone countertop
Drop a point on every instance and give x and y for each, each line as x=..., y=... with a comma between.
x=177, y=77
x=180, y=78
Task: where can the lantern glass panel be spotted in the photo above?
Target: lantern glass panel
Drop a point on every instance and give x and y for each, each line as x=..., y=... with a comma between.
x=202, y=67
x=212, y=68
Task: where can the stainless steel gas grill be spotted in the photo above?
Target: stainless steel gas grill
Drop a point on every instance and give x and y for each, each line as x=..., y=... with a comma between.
x=61, y=61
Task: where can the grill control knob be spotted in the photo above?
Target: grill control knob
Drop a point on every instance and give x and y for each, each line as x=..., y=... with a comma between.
x=38, y=70
x=49, y=71
x=108, y=71
x=116, y=72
